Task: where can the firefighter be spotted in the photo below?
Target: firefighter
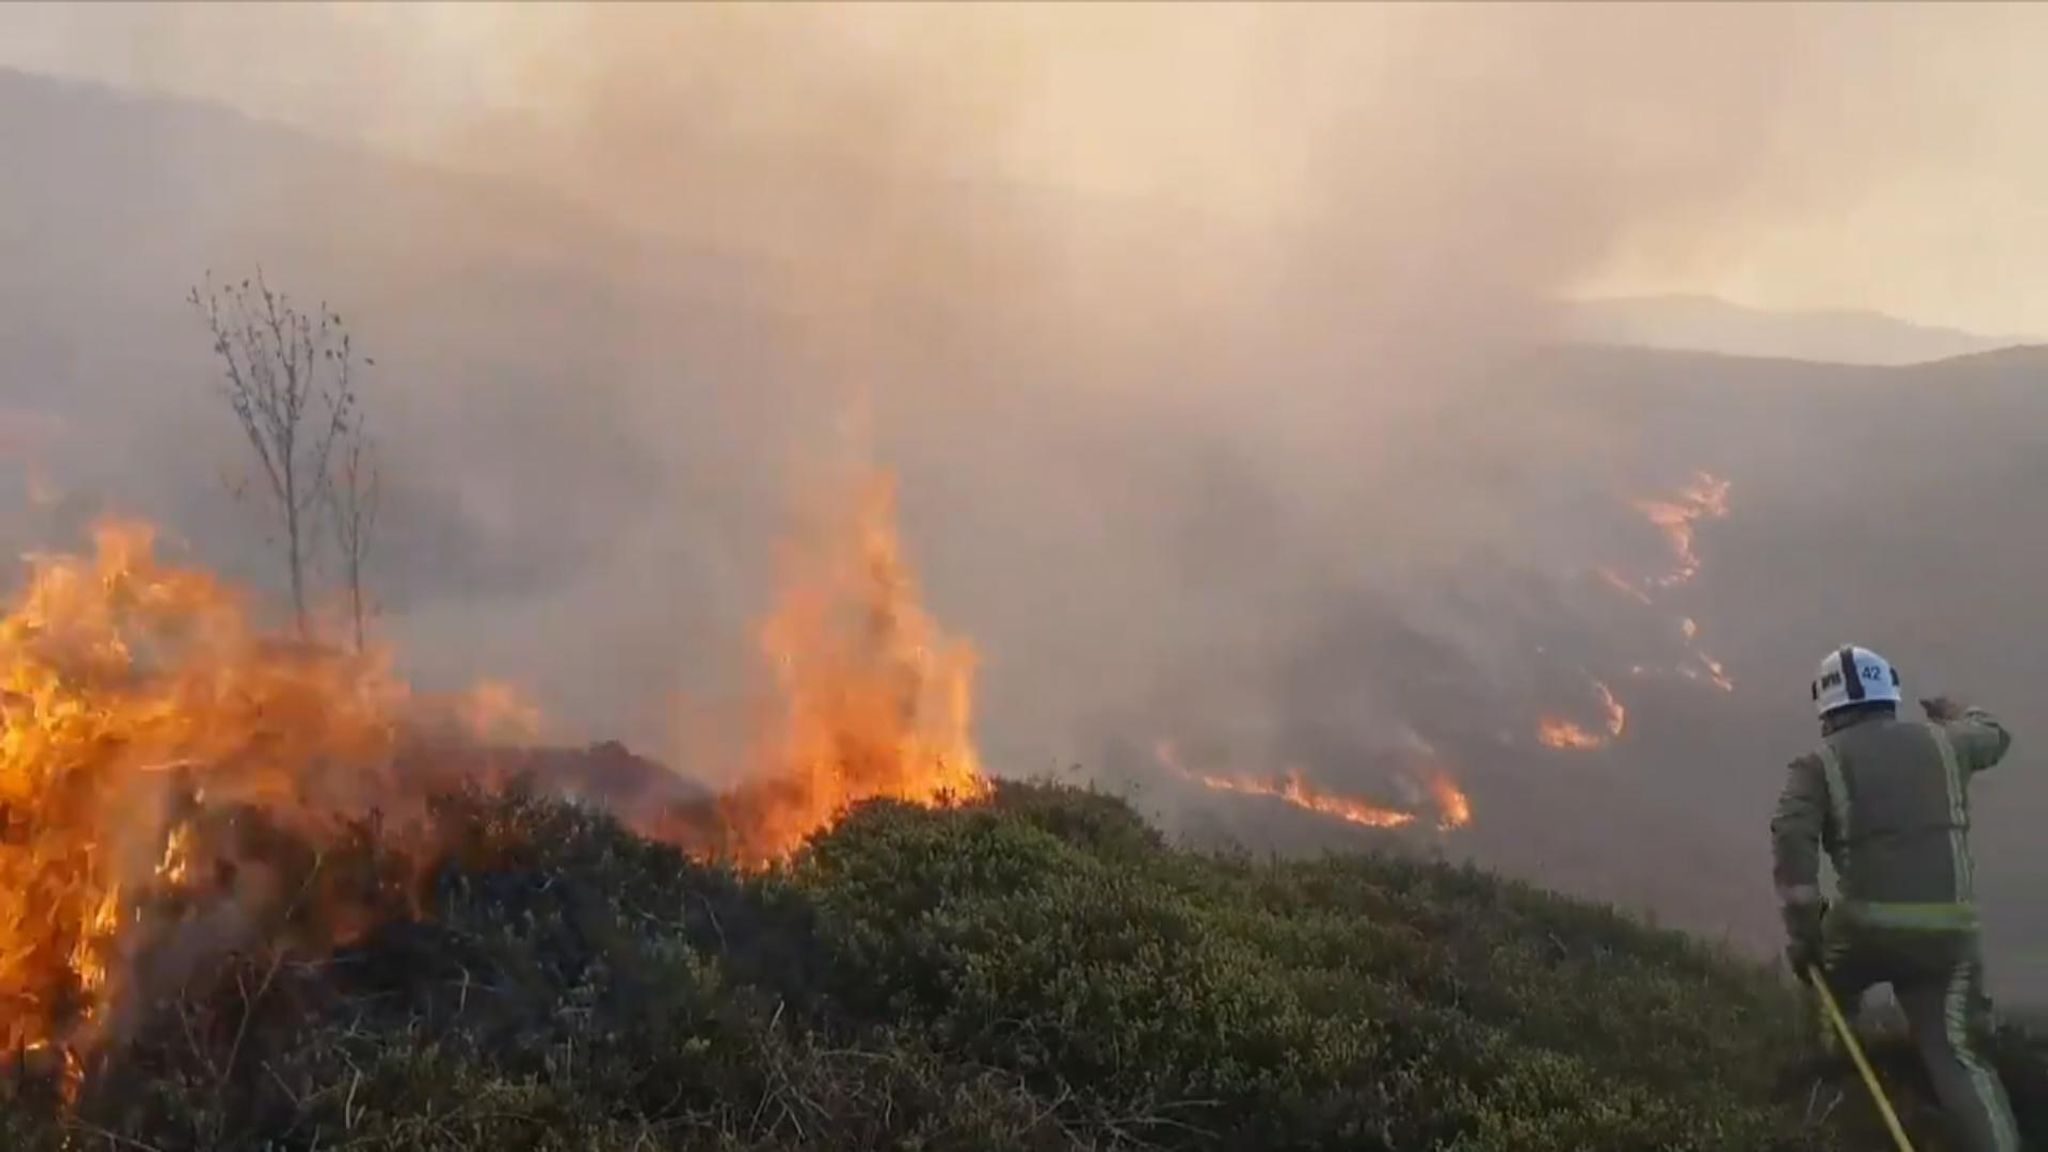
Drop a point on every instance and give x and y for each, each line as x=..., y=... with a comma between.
x=1888, y=800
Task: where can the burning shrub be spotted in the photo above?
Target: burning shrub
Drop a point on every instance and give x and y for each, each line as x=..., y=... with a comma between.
x=145, y=719
x=177, y=783
x=575, y=986
x=875, y=700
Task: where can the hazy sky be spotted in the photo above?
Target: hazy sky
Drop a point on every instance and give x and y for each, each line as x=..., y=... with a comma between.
x=1827, y=156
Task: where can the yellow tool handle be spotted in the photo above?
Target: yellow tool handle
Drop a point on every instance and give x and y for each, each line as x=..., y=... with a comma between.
x=1842, y=1029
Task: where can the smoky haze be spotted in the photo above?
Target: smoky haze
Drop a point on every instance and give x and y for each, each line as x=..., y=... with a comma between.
x=1213, y=348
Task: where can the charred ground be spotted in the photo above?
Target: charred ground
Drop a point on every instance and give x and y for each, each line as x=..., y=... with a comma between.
x=1035, y=970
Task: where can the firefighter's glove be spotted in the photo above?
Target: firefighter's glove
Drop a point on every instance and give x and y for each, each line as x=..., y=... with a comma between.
x=1805, y=948
x=1940, y=709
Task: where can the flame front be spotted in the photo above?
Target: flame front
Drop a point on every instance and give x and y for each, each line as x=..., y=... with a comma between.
x=1705, y=498
x=1452, y=803
x=1555, y=732
x=1677, y=518
x=1296, y=791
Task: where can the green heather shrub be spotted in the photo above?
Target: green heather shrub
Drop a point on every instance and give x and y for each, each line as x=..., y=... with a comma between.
x=1041, y=971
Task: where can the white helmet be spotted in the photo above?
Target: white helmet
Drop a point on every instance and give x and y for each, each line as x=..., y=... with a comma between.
x=1870, y=679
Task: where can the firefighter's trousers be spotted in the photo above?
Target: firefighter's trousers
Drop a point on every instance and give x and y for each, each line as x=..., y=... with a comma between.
x=1938, y=978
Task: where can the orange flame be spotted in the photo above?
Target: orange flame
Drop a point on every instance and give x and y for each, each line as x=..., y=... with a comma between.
x=1705, y=498
x=1451, y=801
x=1617, y=716
x=876, y=701
x=1455, y=807
x=1621, y=584
x=135, y=694
x=1555, y=732
x=1293, y=789
x=1709, y=670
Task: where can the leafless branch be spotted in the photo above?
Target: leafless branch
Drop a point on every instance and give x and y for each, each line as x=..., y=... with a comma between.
x=287, y=377
x=352, y=515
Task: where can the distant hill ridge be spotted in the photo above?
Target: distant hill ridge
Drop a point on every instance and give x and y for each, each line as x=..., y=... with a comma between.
x=1708, y=324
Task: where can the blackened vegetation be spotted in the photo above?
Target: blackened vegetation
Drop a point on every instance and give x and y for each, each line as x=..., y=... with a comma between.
x=1036, y=972
x=605, y=775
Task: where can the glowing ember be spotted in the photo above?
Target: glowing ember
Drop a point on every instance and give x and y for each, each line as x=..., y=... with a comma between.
x=1704, y=667
x=1553, y=732
x=1455, y=807
x=1620, y=583
x=876, y=702
x=1706, y=498
x=176, y=866
x=1451, y=801
x=1709, y=670
x=1617, y=716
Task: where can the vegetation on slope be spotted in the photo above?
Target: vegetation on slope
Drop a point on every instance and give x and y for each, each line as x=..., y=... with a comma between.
x=1035, y=972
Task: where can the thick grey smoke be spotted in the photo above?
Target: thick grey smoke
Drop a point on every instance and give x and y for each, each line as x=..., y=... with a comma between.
x=1209, y=344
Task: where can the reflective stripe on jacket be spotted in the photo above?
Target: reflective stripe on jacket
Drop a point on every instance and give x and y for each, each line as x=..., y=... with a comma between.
x=1888, y=801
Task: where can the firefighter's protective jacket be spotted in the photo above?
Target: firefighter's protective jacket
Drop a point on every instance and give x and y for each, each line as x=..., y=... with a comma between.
x=1888, y=799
